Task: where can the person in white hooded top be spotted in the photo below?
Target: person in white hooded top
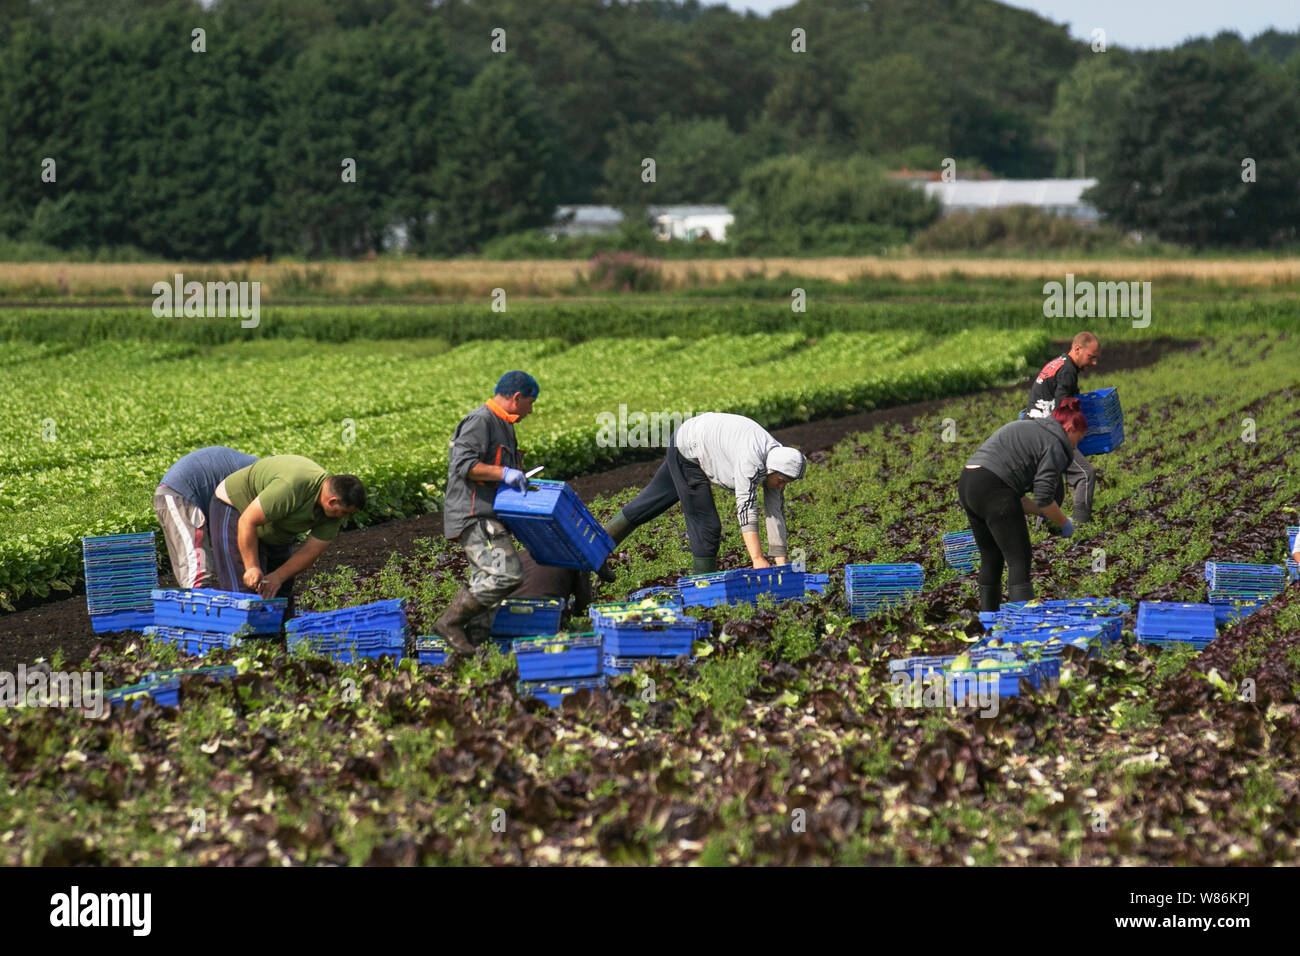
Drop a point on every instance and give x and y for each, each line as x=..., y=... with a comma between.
x=727, y=450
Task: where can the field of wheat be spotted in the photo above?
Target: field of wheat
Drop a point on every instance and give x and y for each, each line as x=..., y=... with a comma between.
x=550, y=277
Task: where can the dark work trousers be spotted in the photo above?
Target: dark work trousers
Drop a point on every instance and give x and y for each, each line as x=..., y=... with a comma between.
x=680, y=479
x=998, y=523
x=224, y=526
x=1081, y=476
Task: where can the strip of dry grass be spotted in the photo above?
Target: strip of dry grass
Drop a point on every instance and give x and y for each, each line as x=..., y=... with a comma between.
x=543, y=277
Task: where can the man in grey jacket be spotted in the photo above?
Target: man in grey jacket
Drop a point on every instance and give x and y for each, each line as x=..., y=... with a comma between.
x=484, y=455
x=727, y=450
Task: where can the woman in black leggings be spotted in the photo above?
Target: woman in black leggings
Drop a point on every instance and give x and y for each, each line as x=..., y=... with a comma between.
x=1019, y=458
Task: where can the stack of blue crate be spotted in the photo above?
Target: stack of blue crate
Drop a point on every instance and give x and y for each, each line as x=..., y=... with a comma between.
x=525, y=617
x=636, y=633
x=1174, y=622
x=1105, y=421
x=1239, y=590
x=960, y=551
x=121, y=572
x=743, y=585
x=367, y=630
x=1106, y=612
x=1007, y=666
x=869, y=588
x=198, y=620
x=552, y=668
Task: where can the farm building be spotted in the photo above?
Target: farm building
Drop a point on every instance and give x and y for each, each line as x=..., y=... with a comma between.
x=671, y=222
x=1062, y=197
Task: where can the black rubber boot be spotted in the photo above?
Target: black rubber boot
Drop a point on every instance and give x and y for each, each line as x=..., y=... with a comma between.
x=451, y=625
x=618, y=529
x=1022, y=592
x=990, y=597
x=704, y=564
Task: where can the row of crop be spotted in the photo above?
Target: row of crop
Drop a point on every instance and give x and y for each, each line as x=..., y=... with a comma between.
x=126, y=416
x=997, y=308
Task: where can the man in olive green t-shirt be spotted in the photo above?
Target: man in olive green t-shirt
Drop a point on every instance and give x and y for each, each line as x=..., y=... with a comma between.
x=258, y=512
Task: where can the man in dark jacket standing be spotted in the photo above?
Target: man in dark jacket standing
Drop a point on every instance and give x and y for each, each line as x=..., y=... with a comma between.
x=484, y=455
x=1059, y=380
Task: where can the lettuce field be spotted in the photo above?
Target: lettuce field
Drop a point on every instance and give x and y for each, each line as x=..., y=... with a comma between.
x=781, y=743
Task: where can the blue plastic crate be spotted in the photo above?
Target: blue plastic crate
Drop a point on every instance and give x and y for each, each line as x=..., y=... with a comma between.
x=742, y=585
x=554, y=692
x=1294, y=569
x=650, y=638
x=124, y=620
x=431, y=651
x=1175, y=622
x=1008, y=680
x=219, y=672
x=560, y=657
x=353, y=645
x=191, y=641
x=816, y=583
x=668, y=594
x=1232, y=607
x=524, y=617
x=554, y=524
x=1245, y=579
x=166, y=693
x=1101, y=443
x=614, y=666
x=389, y=615
x=221, y=612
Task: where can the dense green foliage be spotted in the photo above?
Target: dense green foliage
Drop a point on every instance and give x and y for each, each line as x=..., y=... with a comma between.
x=1178, y=163
x=234, y=145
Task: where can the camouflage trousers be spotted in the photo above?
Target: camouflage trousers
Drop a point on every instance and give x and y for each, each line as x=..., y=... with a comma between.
x=494, y=565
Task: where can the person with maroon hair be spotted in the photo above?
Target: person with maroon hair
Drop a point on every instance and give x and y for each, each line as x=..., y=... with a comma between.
x=1023, y=457
x=1058, y=381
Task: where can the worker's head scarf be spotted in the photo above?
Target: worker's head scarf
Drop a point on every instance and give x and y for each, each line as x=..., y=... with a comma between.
x=785, y=461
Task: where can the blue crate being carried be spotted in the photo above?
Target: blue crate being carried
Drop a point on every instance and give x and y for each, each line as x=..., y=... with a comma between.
x=555, y=525
x=554, y=692
x=560, y=657
x=527, y=617
x=217, y=612
x=1175, y=622
x=389, y=615
x=1105, y=421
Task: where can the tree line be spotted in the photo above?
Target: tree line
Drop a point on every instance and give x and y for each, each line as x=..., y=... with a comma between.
x=333, y=127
